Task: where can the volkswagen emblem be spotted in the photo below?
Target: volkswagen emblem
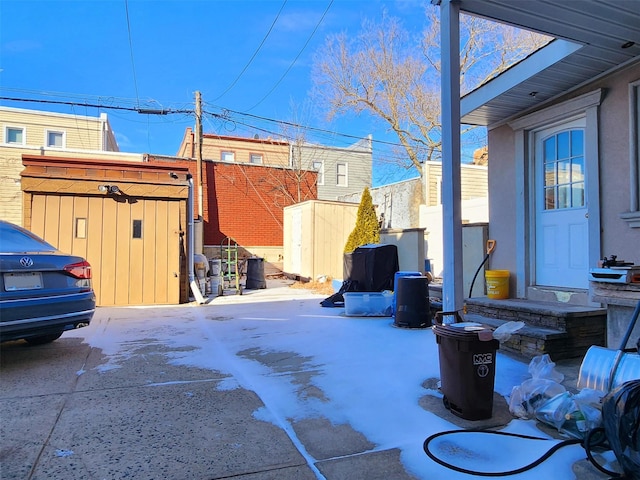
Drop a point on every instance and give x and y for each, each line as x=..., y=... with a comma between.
x=26, y=262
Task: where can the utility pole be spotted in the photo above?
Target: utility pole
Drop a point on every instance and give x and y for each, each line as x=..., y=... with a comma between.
x=198, y=145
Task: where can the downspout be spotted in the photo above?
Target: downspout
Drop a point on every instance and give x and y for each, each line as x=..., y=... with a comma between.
x=191, y=245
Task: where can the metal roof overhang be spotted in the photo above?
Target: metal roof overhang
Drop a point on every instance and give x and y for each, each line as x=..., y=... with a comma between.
x=593, y=37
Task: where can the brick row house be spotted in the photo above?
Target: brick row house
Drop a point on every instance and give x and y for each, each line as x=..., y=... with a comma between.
x=249, y=181
x=244, y=203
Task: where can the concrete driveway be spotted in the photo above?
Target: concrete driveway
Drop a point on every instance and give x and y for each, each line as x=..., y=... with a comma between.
x=196, y=392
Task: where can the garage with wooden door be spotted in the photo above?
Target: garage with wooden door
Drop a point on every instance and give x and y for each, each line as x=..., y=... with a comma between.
x=128, y=220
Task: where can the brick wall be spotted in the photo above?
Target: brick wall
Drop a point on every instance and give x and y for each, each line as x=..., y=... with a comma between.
x=246, y=202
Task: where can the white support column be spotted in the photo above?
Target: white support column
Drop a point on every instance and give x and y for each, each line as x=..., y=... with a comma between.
x=452, y=289
x=523, y=217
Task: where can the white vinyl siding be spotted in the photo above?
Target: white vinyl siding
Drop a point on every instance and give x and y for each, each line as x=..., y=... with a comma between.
x=473, y=182
x=356, y=164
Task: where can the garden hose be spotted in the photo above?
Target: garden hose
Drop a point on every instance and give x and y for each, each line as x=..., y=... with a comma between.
x=593, y=438
x=491, y=246
x=531, y=465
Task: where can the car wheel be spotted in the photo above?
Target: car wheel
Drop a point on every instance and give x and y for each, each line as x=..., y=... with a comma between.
x=42, y=339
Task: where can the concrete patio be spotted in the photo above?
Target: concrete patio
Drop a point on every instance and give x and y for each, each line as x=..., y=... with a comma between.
x=202, y=392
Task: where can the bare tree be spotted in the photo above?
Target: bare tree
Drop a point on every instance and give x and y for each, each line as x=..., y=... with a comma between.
x=293, y=183
x=296, y=182
x=394, y=77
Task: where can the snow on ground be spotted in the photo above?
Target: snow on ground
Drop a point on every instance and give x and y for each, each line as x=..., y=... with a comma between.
x=366, y=373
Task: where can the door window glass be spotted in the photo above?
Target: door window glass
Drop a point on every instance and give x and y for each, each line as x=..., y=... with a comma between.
x=564, y=170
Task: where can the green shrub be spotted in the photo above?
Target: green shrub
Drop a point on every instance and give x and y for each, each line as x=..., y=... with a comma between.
x=367, y=229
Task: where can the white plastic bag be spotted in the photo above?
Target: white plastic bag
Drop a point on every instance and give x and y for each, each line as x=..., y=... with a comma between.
x=528, y=397
x=571, y=414
x=542, y=367
x=543, y=397
x=535, y=392
x=504, y=331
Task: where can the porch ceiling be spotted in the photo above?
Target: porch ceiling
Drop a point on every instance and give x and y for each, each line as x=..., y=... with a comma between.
x=593, y=37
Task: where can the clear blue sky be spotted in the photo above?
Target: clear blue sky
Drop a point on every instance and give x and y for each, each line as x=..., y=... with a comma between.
x=159, y=54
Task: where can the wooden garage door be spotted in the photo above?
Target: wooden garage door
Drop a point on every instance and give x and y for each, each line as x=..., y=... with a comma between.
x=133, y=248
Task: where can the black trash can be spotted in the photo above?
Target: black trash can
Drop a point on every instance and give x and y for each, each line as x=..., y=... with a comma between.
x=467, y=369
x=255, y=274
x=412, y=302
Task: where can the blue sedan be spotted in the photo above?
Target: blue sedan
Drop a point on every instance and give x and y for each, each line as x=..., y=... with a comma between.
x=43, y=292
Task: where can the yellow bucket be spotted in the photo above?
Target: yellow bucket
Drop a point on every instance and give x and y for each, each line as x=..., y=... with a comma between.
x=497, y=283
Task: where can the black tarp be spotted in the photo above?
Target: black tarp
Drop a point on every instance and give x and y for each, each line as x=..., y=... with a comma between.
x=372, y=266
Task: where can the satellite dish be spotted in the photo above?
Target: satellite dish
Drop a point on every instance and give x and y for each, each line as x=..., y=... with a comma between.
x=256, y=136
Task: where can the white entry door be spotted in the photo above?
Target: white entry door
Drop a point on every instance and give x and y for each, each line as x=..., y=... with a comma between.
x=561, y=229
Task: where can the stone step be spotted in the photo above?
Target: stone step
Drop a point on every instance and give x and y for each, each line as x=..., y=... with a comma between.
x=562, y=330
x=554, y=315
x=530, y=341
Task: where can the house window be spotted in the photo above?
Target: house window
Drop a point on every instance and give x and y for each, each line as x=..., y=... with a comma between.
x=55, y=139
x=227, y=156
x=341, y=174
x=563, y=156
x=255, y=158
x=14, y=135
x=633, y=215
x=318, y=167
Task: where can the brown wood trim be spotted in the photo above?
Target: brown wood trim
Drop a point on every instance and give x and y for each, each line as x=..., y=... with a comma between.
x=82, y=186
x=100, y=164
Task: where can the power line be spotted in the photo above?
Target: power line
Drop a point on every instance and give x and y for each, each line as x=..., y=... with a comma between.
x=254, y=53
x=147, y=111
x=108, y=102
x=255, y=128
x=103, y=100
x=224, y=116
x=302, y=127
x=295, y=59
x=133, y=66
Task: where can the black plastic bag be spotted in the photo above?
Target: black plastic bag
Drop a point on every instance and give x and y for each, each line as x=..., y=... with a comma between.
x=621, y=420
x=337, y=300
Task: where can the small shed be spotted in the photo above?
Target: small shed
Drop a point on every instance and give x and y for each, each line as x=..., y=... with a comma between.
x=315, y=233
x=128, y=220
